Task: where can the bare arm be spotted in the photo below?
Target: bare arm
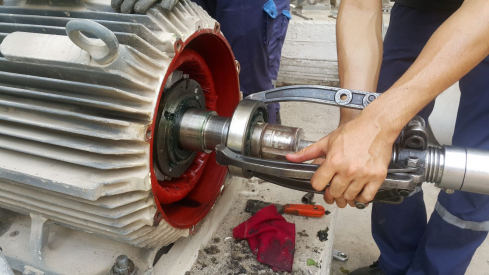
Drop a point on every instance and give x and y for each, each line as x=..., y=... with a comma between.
x=454, y=49
x=359, y=23
x=358, y=153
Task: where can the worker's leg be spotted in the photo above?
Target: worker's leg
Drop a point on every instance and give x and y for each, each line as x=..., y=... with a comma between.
x=278, y=37
x=276, y=43
x=248, y=27
x=397, y=229
x=460, y=221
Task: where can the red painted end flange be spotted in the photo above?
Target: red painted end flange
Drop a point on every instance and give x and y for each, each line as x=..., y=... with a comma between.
x=207, y=58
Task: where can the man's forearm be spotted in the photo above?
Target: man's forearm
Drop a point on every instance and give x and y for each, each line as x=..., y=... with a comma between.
x=454, y=49
x=359, y=42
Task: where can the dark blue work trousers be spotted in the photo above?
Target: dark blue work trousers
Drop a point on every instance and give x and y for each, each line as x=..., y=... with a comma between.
x=444, y=245
x=252, y=29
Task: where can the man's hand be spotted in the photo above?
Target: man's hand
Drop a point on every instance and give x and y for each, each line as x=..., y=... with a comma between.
x=355, y=164
x=140, y=6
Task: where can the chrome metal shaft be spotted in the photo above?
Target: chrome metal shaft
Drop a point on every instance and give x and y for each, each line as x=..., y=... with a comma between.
x=272, y=141
x=457, y=168
x=204, y=130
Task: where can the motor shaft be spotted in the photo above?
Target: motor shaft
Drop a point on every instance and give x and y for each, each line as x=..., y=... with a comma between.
x=204, y=130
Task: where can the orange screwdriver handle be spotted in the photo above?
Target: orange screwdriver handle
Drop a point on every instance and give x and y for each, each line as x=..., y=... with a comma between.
x=306, y=210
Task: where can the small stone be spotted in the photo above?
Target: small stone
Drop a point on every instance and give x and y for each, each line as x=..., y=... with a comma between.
x=323, y=234
x=212, y=250
x=237, y=255
x=203, y=260
x=298, y=272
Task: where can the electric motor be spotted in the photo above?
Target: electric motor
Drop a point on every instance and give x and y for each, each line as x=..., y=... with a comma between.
x=89, y=100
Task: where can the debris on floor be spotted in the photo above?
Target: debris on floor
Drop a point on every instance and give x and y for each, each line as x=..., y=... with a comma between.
x=270, y=237
x=323, y=234
x=211, y=250
x=236, y=256
x=240, y=261
x=312, y=262
x=343, y=270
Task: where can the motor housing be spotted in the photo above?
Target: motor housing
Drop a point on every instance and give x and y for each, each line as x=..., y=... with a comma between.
x=81, y=90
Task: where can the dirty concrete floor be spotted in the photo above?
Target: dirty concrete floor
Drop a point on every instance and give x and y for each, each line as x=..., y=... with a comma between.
x=352, y=232
x=225, y=255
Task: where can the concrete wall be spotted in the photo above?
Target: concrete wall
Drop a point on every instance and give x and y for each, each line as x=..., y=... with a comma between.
x=309, y=52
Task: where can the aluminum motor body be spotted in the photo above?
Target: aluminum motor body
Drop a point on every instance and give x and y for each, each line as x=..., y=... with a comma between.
x=80, y=91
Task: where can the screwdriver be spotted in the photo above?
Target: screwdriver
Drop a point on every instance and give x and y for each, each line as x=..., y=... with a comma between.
x=305, y=210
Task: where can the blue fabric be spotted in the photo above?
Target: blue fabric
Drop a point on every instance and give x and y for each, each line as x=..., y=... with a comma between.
x=407, y=243
x=287, y=14
x=248, y=25
x=278, y=37
x=270, y=8
x=276, y=43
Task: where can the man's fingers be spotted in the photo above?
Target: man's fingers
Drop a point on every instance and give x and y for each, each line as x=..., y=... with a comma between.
x=318, y=161
x=351, y=203
x=341, y=202
x=312, y=151
x=116, y=4
x=327, y=197
x=338, y=186
x=142, y=6
x=322, y=177
x=128, y=6
x=369, y=192
x=353, y=190
x=168, y=4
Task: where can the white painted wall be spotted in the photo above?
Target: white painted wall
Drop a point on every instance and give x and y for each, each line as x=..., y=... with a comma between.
x=442, y=120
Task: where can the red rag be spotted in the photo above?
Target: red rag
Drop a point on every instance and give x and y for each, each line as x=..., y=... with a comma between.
x=270, y=237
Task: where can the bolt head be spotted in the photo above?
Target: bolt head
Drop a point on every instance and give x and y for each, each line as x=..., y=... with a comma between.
x=123, y=266
x=412, y=162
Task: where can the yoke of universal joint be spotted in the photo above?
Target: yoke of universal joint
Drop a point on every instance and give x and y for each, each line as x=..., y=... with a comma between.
x=250, y=147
